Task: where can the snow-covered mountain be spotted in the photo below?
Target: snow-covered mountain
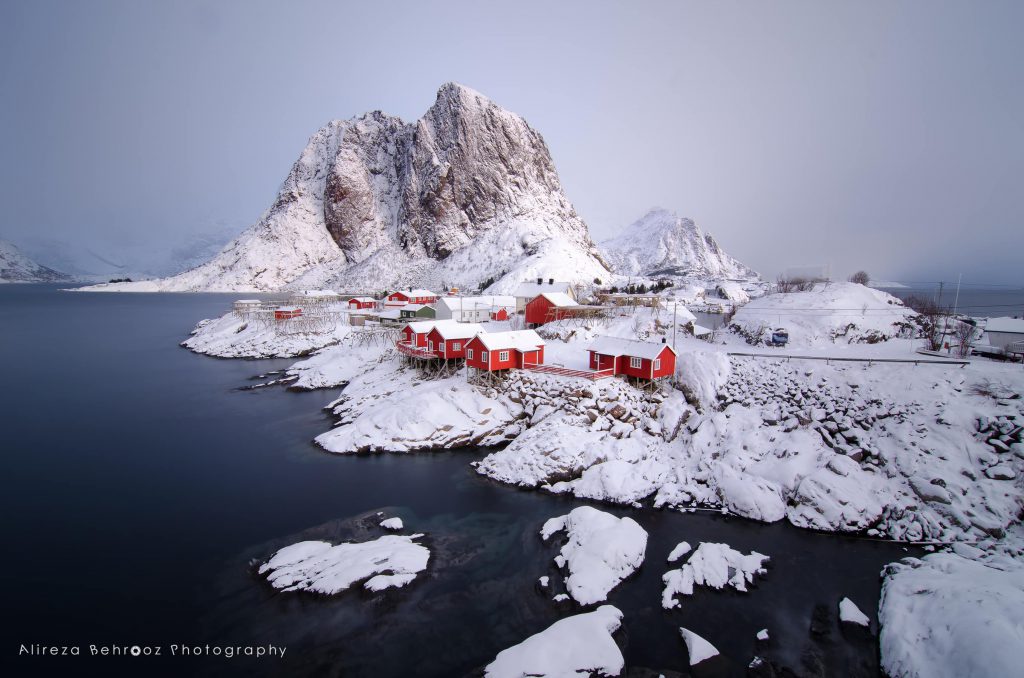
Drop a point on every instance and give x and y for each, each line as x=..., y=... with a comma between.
x=466, y=193
x=16, y=267
x=102, y=257
x=661, y=243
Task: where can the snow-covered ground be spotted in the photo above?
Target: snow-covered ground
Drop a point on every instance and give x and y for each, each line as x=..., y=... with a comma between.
x=904, y=451
x=580, y=645
x=320, y=567
x=601, y=550
x=232, y=336
x=957, y=613
x=839, y=312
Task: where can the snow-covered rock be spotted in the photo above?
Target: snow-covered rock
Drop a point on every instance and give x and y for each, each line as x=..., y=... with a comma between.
x=946, y=615
x=392, y=524
x=851, y=614
x=697, y=648
x=232, y=336
x=320, y=567
x=601, y=551
x=837, y=312
x=15, y=266
x=581, y=645
x=714, y=565
x=466, y=193
x=661, y=244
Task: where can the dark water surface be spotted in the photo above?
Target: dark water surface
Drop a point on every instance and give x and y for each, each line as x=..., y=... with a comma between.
x=138, y=483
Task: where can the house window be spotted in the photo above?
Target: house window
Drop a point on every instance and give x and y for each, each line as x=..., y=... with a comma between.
x=440, y=346
x=483, y=356
x=657, y=364
x=503, y=356
x=634, y=362
x=456, y=346
x=469, y=353
x=430, y=345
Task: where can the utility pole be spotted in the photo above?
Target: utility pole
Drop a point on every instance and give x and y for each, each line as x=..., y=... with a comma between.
x=675, y=304
x=956, y=299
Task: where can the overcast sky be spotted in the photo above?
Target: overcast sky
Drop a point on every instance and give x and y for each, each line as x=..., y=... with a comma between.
x=880, y=135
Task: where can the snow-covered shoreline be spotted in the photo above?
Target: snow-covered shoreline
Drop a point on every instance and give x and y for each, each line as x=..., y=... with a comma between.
x=894, y=451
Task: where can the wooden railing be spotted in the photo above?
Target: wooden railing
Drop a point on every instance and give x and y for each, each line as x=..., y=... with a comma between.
x=567, y=372
x=408, y=349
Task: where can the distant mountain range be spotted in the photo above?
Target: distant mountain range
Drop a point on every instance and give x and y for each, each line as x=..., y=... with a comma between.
x=663, y=244
x=15, y=266
x=467, y=195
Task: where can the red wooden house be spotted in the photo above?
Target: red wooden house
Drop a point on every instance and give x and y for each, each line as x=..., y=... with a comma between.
x=500, y=314
x=497, y=351
x=412, y=297
x=448, y=338
x=631, y=358
x=415, y=334
x=361, y=303
x=550, y=306
x=286, y=312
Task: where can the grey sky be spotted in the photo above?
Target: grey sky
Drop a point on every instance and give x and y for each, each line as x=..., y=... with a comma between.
x=888, y=136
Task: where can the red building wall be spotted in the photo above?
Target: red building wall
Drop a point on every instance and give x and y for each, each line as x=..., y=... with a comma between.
x=539, y=311
x=622, y=365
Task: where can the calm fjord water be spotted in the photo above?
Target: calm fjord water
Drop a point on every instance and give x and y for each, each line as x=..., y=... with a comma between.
x=138, y=485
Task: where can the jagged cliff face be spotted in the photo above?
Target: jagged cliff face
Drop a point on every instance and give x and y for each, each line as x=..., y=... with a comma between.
x=662, y=243
x=466, y=193
x=16, y=267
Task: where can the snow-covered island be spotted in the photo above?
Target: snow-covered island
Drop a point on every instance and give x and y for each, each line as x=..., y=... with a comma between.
x=871, y=438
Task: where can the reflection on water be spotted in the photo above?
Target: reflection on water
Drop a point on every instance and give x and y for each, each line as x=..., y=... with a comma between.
x=142, y=486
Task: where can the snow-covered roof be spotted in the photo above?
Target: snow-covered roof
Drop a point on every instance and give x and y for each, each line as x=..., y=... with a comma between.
x=631, y=347
x=391, y=314
x=559, y=299
x=363, y=299
x=422, y=326
x=1008, y=325
x=317, y=293
x=519, y=340
x=248, y=301
x=415, y=293
x=415, y=307
x=452, y=329
x=532, y=289
x=700, y=331
x=288, y=309
x=474, y=303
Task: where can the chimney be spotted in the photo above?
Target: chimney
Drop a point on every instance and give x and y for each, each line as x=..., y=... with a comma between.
x=663, y=340
x=540, y=281
x=551, y=281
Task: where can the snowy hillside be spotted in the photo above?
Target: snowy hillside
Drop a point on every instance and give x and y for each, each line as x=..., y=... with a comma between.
x=839, y=312
x=466, y=193
x=16, y=267
x=662, y=243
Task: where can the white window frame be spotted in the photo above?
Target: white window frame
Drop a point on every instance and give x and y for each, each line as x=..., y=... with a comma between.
x=483, y=356
x=503, y=357
x=469, y=353
x=456, y=346
x=657, y=364
x=440, y=346
x=430, y=345
x=635, y=362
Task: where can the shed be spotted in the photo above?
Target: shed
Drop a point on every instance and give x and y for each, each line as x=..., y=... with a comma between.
x=1002, y=332
x=497, y=351
x=632, y=358
x=287, y=312
x=361, y=303
x=550, y=306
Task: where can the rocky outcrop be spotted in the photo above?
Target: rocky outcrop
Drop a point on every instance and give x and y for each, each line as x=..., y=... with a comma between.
x=467, y=193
